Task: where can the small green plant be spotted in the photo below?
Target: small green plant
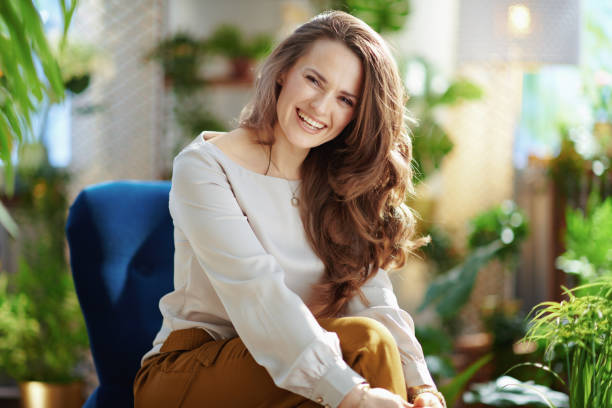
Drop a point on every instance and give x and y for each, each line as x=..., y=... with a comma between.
x=580, y=330
x=588, y=241
x=180, y=57
x=227, y=40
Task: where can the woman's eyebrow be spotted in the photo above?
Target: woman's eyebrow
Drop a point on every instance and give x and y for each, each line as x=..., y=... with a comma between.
x=322, y=79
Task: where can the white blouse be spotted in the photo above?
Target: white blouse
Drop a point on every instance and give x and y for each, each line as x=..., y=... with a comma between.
x=243, y=267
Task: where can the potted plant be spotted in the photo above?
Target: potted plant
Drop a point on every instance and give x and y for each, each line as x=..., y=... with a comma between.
x=42, y=335
x=42, y=332
x=77, y=62
x=579, y=329
x=180, y=57
x=228, y=41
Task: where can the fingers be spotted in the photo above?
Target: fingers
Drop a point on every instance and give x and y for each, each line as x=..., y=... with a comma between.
x=426, y=400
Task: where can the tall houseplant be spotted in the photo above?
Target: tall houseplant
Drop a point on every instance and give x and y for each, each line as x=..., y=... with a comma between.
x=580, y=329
x=22, y=86
x=42, y=332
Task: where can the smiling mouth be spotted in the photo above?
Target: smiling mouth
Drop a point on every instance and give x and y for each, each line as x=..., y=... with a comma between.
x=309, y=122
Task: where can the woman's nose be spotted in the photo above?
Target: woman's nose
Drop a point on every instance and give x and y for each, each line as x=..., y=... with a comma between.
x=320, y=103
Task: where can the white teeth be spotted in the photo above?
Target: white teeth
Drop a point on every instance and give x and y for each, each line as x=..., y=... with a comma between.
x=310, y=121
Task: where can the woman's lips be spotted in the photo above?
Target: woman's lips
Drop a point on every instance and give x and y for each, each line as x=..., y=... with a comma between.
x=305, y=125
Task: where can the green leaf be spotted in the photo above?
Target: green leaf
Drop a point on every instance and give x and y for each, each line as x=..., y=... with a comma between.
x=7, y=221
x=430, y=145
x=506, y=391
x=452, y=390
x=459, y=90
x=452, y=290
x=537, y=365
x=40, y=45
x=21, y=47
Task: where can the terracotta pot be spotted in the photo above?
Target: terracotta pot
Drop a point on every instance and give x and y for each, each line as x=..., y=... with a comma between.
x=35, y=394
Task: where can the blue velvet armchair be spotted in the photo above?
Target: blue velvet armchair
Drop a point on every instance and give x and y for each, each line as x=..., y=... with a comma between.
x=121, y=254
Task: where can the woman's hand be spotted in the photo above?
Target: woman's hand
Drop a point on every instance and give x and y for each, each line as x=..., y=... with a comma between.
x=427, y=399
x=362, y=396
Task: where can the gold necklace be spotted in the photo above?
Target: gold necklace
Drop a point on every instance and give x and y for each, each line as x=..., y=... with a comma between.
x=295, y=201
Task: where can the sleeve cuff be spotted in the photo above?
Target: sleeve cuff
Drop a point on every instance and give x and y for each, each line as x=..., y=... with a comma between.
x=416, y=373
x=331, y=389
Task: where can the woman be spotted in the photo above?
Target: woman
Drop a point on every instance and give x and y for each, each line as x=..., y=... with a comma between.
x=283, y=228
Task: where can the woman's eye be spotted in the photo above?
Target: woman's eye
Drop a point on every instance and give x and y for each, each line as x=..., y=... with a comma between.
x=346, y=101
x=312, y=79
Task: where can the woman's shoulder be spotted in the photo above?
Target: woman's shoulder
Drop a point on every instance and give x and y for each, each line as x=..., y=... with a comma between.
x=218, y=150
x=240, y=148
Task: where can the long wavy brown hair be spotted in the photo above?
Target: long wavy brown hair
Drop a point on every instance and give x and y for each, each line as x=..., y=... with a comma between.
x=353, y=186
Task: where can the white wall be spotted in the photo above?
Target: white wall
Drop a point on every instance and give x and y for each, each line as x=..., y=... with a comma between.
x=200, y=17
x=431, y=33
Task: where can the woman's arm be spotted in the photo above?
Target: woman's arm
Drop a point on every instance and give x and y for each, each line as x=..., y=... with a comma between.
x=272, y=321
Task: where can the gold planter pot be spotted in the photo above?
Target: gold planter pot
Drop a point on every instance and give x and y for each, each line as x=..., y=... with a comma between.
x=35, y=394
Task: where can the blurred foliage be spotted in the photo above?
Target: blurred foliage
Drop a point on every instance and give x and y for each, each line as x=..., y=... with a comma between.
x=42, y=331
x=23, y=45
x=437, y=346
x=40, y=197
x=506, y=391
x=440, y=251
x=430, y=140
x=580, y=330
x=504, y=321
x=452, y=389
x=588, y=241
x=228, y=40
x=192, y=116
x=180, y=57
x=506, y=223
x=495, y=233
x=23, y=87
x=384, y=16
x=596, y=62
x=450, y=291
x=567, y=168
x=77, y=62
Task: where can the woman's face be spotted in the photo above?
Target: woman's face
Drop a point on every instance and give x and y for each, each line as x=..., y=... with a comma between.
x=319, y=94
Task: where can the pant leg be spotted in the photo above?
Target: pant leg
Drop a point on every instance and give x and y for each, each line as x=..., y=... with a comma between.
x=224, y=374
x=370, y=349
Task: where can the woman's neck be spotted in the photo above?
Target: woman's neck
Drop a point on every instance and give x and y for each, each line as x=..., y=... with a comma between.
x=286, y=159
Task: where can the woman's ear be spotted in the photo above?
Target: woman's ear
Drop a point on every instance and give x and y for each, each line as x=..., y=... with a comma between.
x=281, y=79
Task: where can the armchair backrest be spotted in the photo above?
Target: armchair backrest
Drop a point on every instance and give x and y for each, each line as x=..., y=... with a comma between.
x=121, y=252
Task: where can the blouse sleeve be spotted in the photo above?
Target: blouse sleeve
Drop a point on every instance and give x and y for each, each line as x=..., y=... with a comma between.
x=273, y=322
x=384, y=308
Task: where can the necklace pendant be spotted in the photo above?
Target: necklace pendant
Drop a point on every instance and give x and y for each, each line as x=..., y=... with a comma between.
x=295, y=201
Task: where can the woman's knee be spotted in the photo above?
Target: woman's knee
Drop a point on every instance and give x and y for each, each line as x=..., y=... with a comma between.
x=359, y=333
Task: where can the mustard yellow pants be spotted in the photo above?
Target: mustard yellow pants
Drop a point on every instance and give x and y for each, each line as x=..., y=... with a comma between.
x=192, y=370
